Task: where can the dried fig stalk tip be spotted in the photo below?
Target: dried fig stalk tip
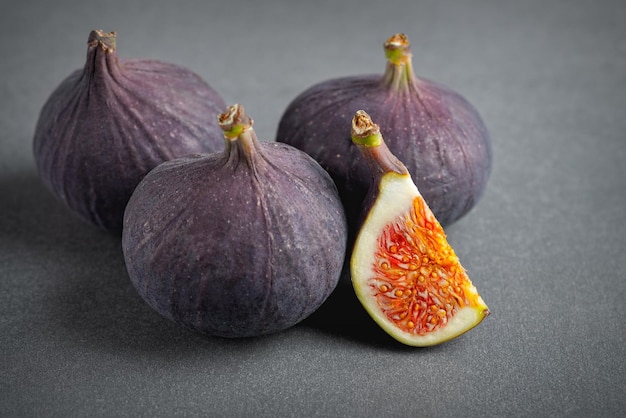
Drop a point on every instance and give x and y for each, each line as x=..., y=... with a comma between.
x=364, y=131
x=397, y=49
x=366, y=135
x=105, y=40
x=234, y=121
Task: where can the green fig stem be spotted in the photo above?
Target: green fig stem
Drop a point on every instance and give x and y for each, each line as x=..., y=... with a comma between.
x=105, y=40
x=237, y=127
x=399, y=75
x=367, y=137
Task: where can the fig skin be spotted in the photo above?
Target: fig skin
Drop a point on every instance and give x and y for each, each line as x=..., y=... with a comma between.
x=435, y=132
x=238, y=243
x=106, y=125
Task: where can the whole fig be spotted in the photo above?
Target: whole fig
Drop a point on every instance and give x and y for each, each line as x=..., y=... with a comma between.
x=238, y=243
x=437, y=134
x=106, y=125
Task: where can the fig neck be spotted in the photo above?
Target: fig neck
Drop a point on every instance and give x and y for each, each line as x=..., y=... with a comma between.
x=367, y=137
x=399, y=75
x=245, y=147
x=101, y=55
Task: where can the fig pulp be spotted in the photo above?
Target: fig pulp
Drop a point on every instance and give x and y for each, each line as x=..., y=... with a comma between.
x=404, y=271
x=237, y=243
x=438, y=134
x=106, y=125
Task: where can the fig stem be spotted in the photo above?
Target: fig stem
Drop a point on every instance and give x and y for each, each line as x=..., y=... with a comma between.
x=102, y=62
x=399, y=73
x=237, y=127
x=367, y=137
x=105, y=40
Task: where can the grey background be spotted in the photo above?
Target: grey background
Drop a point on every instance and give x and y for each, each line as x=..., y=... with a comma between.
x=544, y=246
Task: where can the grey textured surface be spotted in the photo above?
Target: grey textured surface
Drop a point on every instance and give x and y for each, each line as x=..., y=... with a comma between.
x=544, y=246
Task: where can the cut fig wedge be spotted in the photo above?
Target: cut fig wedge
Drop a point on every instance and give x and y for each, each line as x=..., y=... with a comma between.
x=404, y=271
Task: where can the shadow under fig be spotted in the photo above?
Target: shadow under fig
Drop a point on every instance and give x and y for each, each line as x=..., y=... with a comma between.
x=343, y=316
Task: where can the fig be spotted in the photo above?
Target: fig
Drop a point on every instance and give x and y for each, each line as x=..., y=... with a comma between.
x=106, y=125
x=238, y=243
x=404, y=271
x=436, y=133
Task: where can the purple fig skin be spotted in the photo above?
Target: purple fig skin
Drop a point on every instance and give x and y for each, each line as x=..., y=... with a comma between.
x=108, y=124
x=435, y=132
x=238, y=243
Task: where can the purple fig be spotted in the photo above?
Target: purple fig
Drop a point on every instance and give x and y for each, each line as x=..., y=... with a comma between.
x=238, y=243
x=106, y=125
x=435, y=132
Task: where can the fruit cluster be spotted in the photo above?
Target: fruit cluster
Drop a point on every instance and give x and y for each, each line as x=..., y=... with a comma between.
x=236, y=237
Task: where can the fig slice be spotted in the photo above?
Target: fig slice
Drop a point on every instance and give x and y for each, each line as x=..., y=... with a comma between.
x=404, y=271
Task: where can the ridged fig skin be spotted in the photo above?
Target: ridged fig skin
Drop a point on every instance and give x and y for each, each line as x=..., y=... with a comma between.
x=108, y=124
x=230, y=246
x=433, y=130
